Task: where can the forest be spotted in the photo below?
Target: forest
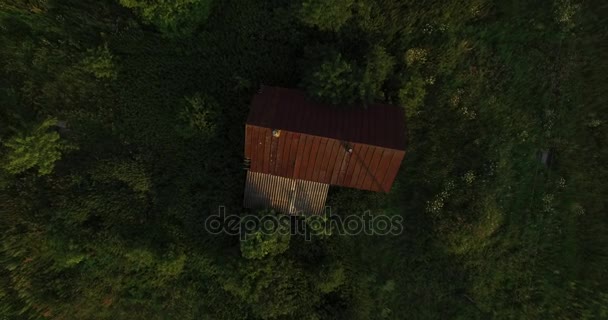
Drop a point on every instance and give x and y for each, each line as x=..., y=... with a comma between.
x=122, y=130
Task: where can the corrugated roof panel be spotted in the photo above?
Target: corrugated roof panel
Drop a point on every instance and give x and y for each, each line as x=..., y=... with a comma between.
x=299, y=156
x=274, y=146
x=267, y=145
x=304, y=158
x=344, y=168
x=293, y=152
x=328, y=169
x=261, y=148
x=289, y=196
x=361, y=169
x=340, y=154
x=368, y=182
x=391, y=173
x=248, y=133
x=312, y=160
x=385, y=161
x=365, y=167
x=312, y=197
x=255, y=159
x=278, y=167
x=288, y=140
x=352, y=164
x=321, y=153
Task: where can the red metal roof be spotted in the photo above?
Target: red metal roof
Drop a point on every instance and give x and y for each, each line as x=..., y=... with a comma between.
x=290, y=109
x=314, y=144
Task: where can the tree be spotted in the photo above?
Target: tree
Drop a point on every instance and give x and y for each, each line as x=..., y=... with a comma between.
x=199, y=115
x=174, y=18
x=327, y=15
x=269, y=239
x=41, y=148
x=99, y=62
x=337, y=80
x=332, y=80
x=378, y=66
x=273, y=288
x=412, y=95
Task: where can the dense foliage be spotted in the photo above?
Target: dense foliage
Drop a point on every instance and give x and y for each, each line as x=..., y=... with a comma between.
x=121, y=131
x=175, y=17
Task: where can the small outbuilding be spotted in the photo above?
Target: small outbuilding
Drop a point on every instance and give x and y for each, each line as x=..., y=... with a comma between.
x=296, y=148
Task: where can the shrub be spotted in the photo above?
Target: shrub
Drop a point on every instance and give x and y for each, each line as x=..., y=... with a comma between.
x=199, y=115
x=266, y=241
x=172, y=17
x=41, y=148
x=332, y=80
x=328, y=15
x=379, y=65
x=99, y=62
x=337, y=80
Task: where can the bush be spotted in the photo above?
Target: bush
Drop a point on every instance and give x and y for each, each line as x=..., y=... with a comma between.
x=175, y=17
x=198, y=116
x=328, y=15
x=379, y=65
x=99, y=62
x=332, y=80
x=40, y=148
x=412, y=95
x=337, y=80
x=265, y=241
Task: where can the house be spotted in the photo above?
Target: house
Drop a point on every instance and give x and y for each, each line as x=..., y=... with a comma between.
x=296, y=148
